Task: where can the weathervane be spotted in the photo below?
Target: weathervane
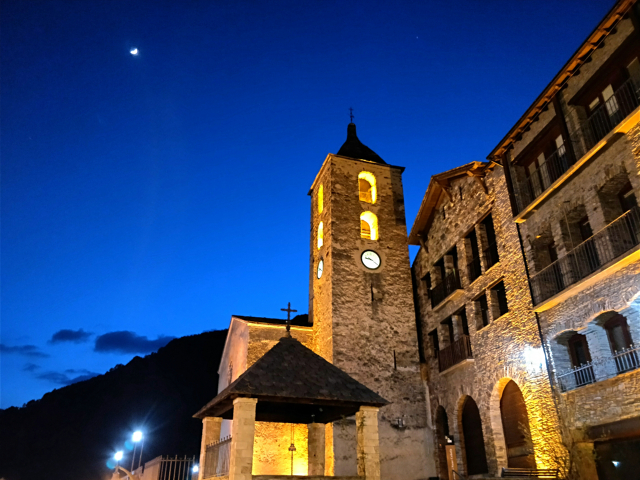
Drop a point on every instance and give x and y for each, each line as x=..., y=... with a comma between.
x=288, y=310
x=351, y=114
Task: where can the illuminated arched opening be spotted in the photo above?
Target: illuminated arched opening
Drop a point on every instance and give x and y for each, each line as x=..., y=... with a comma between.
x=367, y=186
x=320, y=235
x=369, y=225
x=320, y=199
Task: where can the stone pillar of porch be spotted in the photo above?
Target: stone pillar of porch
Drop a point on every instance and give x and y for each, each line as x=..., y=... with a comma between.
x=368, y=443
x=242, y=436
x=210, y=433
x=316, y=448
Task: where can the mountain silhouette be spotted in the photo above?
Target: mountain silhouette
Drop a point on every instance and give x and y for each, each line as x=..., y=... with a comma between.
x=71, y=432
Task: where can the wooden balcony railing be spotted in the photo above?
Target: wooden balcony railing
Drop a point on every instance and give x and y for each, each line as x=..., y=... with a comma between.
x=446, y=287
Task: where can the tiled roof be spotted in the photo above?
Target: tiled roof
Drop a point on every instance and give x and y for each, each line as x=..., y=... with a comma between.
x=299, y=320
x=354, y=148
x=292, y=374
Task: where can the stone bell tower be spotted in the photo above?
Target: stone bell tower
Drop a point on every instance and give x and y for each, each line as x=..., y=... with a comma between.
x=361, y=304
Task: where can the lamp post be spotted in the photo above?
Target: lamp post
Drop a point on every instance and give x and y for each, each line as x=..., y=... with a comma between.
x=136, y=437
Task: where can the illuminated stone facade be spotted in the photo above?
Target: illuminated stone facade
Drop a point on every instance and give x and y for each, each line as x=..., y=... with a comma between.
x=248, y=340
x=363, y=319
x=456, y=217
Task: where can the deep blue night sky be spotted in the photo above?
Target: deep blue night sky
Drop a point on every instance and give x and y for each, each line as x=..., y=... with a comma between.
x=158, y=194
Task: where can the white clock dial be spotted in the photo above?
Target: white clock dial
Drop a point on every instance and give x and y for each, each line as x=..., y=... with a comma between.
x=370, y=259
x=320, y=268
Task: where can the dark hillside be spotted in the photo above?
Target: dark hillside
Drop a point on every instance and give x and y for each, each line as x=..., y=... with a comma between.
x=70, y=433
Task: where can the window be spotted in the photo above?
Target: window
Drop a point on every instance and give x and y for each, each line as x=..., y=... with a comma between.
x=473, y=266
x=491, y=249
x=449, y=323
x=620, y=341
x=501, y=295
x=320, y=235
x=426, y=281
x=367, y=186
x=627, y=198
x=462, y=313
x=585, y=228
x=369, y=225
x=579, y=350
x=320, y=199
x=483, y=307
x=435, y=344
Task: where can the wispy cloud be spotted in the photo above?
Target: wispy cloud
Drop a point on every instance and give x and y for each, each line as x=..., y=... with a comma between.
x=68, y=377
x=74, y=336
x=30, y=367
x=129, y=342
x=26, y=350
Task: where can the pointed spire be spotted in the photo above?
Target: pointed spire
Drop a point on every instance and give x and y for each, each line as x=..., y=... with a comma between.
x=354, y=148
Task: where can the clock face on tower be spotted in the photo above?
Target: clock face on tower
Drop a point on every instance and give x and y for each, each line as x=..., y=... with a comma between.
x=370, y=259
x=320, y=268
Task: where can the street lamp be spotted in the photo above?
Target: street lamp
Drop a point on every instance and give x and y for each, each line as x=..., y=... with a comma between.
x=136, y=437
x=195, y=469
x=117, y=457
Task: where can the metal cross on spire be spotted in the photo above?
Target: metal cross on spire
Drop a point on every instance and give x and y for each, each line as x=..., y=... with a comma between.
x=288, y=310
x=351, y=114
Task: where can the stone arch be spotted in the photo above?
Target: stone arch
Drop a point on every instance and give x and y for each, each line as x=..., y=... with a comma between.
x=516, y=428
x=442, y=431
x=472, y=443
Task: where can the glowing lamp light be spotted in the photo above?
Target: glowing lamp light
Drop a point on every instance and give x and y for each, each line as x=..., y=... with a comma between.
x=118, y=456
x=137, y=436
x=534, y=357
x=133, y=51
x=195, y=469
x=615, y=464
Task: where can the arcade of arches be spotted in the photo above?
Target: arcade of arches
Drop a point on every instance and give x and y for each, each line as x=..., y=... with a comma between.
x=472, y=451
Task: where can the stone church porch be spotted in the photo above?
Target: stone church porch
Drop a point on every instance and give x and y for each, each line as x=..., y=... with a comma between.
x=290, y=385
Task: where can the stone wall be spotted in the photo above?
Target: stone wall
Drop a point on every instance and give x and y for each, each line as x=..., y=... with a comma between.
x=364, y=320
x=509, y=347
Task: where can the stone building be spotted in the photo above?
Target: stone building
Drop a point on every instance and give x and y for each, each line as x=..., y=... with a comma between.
x=573, y=169
x=514, y=334
x=481, y=346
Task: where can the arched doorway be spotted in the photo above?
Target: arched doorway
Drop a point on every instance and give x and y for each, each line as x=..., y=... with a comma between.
x=475, y=454
x=515, y=424
x=442, y=431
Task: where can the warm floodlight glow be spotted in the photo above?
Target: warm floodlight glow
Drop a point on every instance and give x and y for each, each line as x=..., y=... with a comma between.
x=195, y=469
x=320, y=235
x=369, y=225
x=534, y=357
x=133, y=51
x=367, y=185
x=118, y=456
x=320, y=199
x=137, y=436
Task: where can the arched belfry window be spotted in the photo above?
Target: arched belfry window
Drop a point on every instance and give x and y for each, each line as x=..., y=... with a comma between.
x=320, y=235
x=320, y=199
x=367, y=186
x=369, y=225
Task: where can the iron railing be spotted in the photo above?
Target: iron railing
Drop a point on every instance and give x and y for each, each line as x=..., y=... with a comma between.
x=446, y=287
x=491, y=256
x=600, y=122
x=627, y=359
x=176, y=468
x=542, y=177
x=615, y=239
x=605, y=117
x=473, y=269
x=217, y=457
x=455, y=353
x=576, y=377
x=600, y=369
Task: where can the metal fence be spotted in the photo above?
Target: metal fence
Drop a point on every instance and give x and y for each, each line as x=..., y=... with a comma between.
x=455, y=353
x=176, y=468
x=620, y=362
x=217, y=457
x=446, y=287
x=606, y=116
x=600, y=122
x=618, y=237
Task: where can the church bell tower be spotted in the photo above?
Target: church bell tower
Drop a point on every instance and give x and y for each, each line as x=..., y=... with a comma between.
x=361, y=304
